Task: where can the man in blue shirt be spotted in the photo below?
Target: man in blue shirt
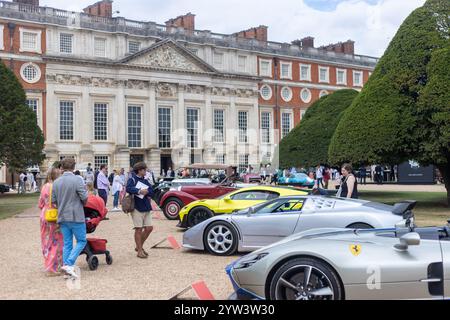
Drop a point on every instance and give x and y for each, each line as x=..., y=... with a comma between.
x=142, y=216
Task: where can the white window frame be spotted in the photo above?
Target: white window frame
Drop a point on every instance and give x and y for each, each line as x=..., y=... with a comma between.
x=270, y=95
x=323, y=93
x=2, y=45
x=291, y=122
x=141, y=106
x=72, y=36
x=135, y=42
x=344, y=82
x=38, y=46
x=244, y=67
x=170, y=108
x=101, y=156
x=96, y=41
x=361, y=74
x=107, y=120
x=244, y=162
x=289, y=74
x=310, y=95
x=269, y=129
x=243, y=137
x=302, y=113
x=327, y=75
x=193, y=143
x=221, y=158
x=290, y=94
x=269, y=71
x=74, y=124
x=308, y=76
x=217, y=54
x=219, y=138
x=37, y=103
x=38, y=72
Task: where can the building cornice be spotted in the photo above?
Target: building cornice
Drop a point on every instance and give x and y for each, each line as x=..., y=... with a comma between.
x=119, y=65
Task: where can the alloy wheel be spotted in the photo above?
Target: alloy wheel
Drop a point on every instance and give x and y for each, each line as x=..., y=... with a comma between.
x=220, y=239
x=304, y=282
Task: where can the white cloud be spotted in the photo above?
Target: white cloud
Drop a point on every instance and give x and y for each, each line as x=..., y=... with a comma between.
x=372, y=26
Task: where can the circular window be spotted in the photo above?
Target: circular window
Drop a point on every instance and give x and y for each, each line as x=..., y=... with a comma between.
x=305, y=95
x=286, y=94
x=30, y=72
x=266, y=92
x=323, y=93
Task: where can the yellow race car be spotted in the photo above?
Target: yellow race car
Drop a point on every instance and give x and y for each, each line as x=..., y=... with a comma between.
x=201, y=210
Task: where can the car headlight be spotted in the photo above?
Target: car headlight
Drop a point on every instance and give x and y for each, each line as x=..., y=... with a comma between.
x=244, y=264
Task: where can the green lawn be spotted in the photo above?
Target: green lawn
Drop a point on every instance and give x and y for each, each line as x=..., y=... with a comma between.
x=12, y=204
x=431, y=208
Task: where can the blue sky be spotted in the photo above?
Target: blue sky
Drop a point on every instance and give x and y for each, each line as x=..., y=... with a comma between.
x=371, y=23
x=330, y=5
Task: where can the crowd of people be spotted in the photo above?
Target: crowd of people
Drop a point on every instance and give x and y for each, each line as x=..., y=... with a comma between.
x=29, y=182
x=68, y=191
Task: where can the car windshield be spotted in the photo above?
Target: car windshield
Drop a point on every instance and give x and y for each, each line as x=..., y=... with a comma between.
x=277, y=205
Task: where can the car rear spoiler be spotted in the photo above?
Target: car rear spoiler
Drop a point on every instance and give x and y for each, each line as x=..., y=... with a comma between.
x=404, y=208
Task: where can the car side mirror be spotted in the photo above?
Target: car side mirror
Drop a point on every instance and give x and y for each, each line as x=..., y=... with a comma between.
x=409, y=239
x=250, y=211
x=227, y=199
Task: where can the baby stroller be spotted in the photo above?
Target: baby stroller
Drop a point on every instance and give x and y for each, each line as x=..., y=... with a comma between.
x=95, y=212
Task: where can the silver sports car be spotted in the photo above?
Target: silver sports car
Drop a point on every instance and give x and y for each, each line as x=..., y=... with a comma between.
x=337, y=264
x=264, y=224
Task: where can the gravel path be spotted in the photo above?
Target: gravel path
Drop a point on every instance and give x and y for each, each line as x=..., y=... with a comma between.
x=164, y=274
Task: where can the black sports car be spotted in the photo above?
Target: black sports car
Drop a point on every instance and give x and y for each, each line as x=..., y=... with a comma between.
x=4, y=188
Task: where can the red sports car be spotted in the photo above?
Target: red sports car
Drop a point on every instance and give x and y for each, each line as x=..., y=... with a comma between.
x=174, y=200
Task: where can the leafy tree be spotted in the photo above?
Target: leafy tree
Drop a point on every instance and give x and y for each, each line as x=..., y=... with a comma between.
x=21, y=139
x=389, y=121
x=434, y=116
x=307, y=145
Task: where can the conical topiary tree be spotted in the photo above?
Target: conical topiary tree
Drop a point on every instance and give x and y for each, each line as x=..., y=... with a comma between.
x=21, y=139
x=388, y=121
x=307, y=145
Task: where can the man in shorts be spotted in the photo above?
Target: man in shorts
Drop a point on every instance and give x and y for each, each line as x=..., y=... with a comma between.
x=140, y=187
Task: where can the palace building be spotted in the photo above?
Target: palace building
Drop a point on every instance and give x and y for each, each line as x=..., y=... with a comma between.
x=109, y=90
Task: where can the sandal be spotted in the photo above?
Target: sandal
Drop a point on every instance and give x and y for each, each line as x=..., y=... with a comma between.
x=142, y=256
x=145, y=252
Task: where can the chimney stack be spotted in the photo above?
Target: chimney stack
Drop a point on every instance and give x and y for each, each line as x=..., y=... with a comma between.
x=186, y=21
x=307, y=42
x=102, y=9
x=347, y=47
x=28, y=2
x=258, y=33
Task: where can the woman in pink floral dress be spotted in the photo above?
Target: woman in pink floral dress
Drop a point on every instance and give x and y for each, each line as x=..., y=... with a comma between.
x=51, y=237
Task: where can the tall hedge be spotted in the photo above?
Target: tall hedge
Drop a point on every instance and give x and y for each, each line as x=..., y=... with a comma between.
x=433, y=134
x=21, y=139
x=389, y=121
x=307, y=145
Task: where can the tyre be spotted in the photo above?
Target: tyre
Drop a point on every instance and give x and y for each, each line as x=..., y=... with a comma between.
x=306, y=279
x=220, y=239
x=93, y=263
x=198, y=215
x=172, y=208
x=360, y=226
x=109, y=259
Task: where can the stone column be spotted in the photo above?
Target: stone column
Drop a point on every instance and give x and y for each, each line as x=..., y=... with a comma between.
x=232, y=132
x=152, y=122
x=121, y=130
x=207, y=123
x=182, y=153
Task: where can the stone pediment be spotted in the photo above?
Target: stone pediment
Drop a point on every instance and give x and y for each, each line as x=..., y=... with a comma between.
x=168, y=55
